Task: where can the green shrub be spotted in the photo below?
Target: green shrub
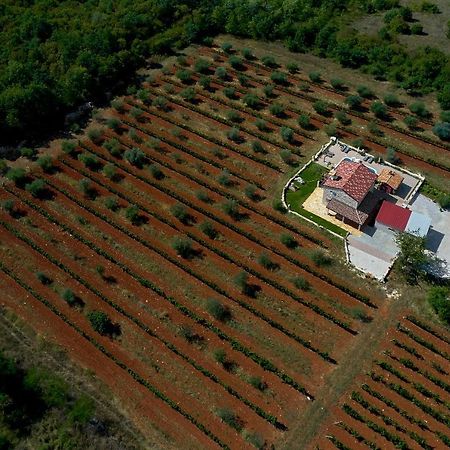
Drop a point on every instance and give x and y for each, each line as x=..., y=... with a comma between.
x=160, y=103
x=266, y=262
x=227, y=47
x=231, y=208
x=89, y=161
x=183, y=75
x=304, y=121
x=132, y=214
x=112, y=203
x=288, y=240
x=234, y=116
x=114, y=124
x=85, y=186
x=16, y=175
x=364, y=91
x=286, y=156
x=301, y=283
x=439, y=299
x=100, y=322
x=250, y=191
x=235, y=62
x=118, y=105
x=136, y=113
x=68, y=147
x=330, y=129
x=257, y=147
x=251, y=100
x=203, y=196
x=261, y=124
x=278, y=206
x=231, y=419
x=229, y=92
x=45, y=162
x=201, y=66
x=391, y=100
x=276, y=109
x=342, y=117
x=247, y=54
x=315, y=76
x=292, y=67
x=391, y=156
x=205, y=82
x=43, y=278
x=36, y=188
x=183, y=247
x=188, y=94
x=445, y=116
x=419, y=109
x=337, y=84
x=225, y=178
x=110, y=171
x=207, y=228
x=411, y=122
x=287, y=134
x=221, y=73
x=9, y=206
x=156, y=171
x=258, y=383
x=180, y=212
x=442, y=131
x=269, y=61
x=321, y=107
x=278, y=77
x=320, y=258
x=268, y=90
x=135, y=156
x=69, y=297
x=113, y=147
x=379, y=109
x=218, y=310
x=3, y=167
x=95, y=135
x=28, y=152
x=416, y=28
x=354, y=101
x=233, y=134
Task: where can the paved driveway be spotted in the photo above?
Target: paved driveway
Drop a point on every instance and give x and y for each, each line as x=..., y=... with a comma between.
x=373, y=251
x=438, y=239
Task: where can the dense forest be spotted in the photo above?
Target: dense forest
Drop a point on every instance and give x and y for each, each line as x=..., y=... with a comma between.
x=55, y=55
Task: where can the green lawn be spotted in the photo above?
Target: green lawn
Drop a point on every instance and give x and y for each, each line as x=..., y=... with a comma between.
x=311, y=175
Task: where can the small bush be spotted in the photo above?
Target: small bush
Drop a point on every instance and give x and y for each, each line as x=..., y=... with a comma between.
x=68, y=147
x=278, y=206
x=337, y=84
x=373, y=128
x=379, y=109
x=292, y=67
x=9, y=206
x=439, y=299
x=391, y=156
x=180, y=212
x=286, y=156
x=268, y=90
x=416, y=28
x=221, y=73
x=258, y=383
x=411, y=122
x=342, y=117
x=391, y=100
x=45, y=162
x=243, y=80
x=315, y=77
x=95, y=135
x=218, y=310
x=201, y=66
x=27, y=152
x=132, y=214
x=205, y=82
x=266, y=262
x=276, y=109
x=287, y=134
x=233, y=134
x=419, y=109
x=364, y=91
x=229, y=92
x=143, y=95
x=354, y=101
x=43, y=278
x=208, y=228
x=118, y=105
x=257, y=147
x=183, y=75
x=156, y=171
x=16, y=175
x=234, y=116
x=330, y=129
x=112, y=203
x=250, y=191
x=203, y=196
x=320, y=259
x=442, y=131
x=304, y=121
x=261, y=124
x=89, y=161
x=183, y=247
x=113, y=147
x=225, y=178
x=235, y=62
x=278, y=77
x=269, y=61
x=86, y=188
x=160, y=103
x=247, y=54
x=188, y=94
x=114, y=124
x=69, y=297
x=36, y=188
x=100, y=322
x=231, y=419
x=301, y=283
x=135, y=156
x=231, y=208
x=251, y=100
x=136, y=113
x=227, y=47
x=445, y=116
x=288, y=240
x=321, y=107
x=110, y=171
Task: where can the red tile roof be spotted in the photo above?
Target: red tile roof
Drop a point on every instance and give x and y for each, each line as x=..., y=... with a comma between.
x=348, y=212
x=393, y=216
x=354, y=178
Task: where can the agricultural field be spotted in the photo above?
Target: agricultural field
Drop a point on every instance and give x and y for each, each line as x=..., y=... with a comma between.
x=155, y=250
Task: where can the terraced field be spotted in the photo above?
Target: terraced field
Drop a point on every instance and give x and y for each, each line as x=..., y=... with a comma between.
x=225, y=321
